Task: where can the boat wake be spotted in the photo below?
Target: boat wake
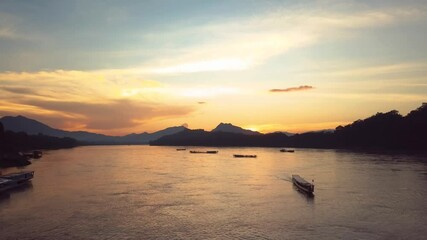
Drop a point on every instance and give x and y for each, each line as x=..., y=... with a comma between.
x=287, y=178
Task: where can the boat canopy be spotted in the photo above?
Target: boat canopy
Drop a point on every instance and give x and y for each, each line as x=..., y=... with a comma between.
x=300, y=180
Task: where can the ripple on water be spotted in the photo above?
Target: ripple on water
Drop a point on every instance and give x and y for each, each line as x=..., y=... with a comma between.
x=143, y=192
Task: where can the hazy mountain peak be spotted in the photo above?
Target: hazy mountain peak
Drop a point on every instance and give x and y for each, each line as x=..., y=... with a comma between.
x=34, y=127
x=228, y=127
x=284, y=132
x=24, y=124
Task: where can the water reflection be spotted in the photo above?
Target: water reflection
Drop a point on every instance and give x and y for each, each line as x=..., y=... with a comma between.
x=27, y=186
x=307, y=196
x=6, y=195
x=134, y=192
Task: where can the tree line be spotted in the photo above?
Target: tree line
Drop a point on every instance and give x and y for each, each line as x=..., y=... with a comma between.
x=388, y=130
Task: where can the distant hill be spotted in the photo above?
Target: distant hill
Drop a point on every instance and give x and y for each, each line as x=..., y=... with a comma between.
x=230, y=128
x=220, y=138
x=33, y=127
x=382, y=131
x=27, y=125
x=145, y=138
x=286, y=133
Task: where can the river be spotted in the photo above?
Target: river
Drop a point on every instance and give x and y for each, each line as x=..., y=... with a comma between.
x=144, y=192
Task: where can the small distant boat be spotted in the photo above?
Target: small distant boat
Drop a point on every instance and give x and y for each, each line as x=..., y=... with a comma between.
x=13, y=180
x=212, y=152
x=181, y=149
x=286, y=150
x=34, y=154
x=209, y=152
x=28, y=155
x=244, y=156
x=37, y=154
x=302, y=184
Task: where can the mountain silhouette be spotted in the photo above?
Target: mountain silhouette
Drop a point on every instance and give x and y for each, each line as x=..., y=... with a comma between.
x=201, y=137
x=33, y=127
x=144, y=138
x=230, y=128
x=388, y=130
x=381, y=131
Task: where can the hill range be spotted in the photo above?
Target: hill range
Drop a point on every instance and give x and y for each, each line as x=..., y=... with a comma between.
x=381, y=131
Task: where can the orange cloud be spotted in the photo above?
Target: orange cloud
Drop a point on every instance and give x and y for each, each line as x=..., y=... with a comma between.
x=19, y=90
x=104, y=102
x=292, y=89
x=114, y=114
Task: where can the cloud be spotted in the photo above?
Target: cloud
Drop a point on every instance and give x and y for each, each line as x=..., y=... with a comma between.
x=13, y=28
x=355, y=69
x=114, y=114
x=185, y=125
x=6, y=33
x=292, y=89
x=104, y=102
x=201, y=102
x=19, y=90
x=243, y=43
x=7, y=25
x=207, y=92
x=204, y=66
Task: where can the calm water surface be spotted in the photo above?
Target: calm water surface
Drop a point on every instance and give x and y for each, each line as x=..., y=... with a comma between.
x=143, y=192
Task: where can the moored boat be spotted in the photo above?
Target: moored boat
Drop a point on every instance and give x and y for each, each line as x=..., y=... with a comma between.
x=19, y=177
x=302, y=184
x=34, y=154
x=286, y=150
x=37, y=154
x=13, y=180
x=181, y=149
x=209, y=152
x=244, y=156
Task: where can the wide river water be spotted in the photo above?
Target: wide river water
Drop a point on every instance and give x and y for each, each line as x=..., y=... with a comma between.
x=143, y=192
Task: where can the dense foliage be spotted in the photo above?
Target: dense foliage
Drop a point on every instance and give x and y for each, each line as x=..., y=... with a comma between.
x=12, y=143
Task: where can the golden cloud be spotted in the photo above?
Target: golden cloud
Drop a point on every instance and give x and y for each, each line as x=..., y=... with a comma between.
x=91, y=101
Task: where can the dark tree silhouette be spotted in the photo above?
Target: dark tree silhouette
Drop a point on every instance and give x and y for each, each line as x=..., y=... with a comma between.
x=12, y=143
x=382, y=131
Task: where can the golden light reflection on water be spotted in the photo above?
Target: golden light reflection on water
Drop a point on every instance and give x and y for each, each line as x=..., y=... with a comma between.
x=157, y=192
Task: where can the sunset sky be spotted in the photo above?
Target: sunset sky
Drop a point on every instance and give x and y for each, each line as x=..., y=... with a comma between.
x=117, y=67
